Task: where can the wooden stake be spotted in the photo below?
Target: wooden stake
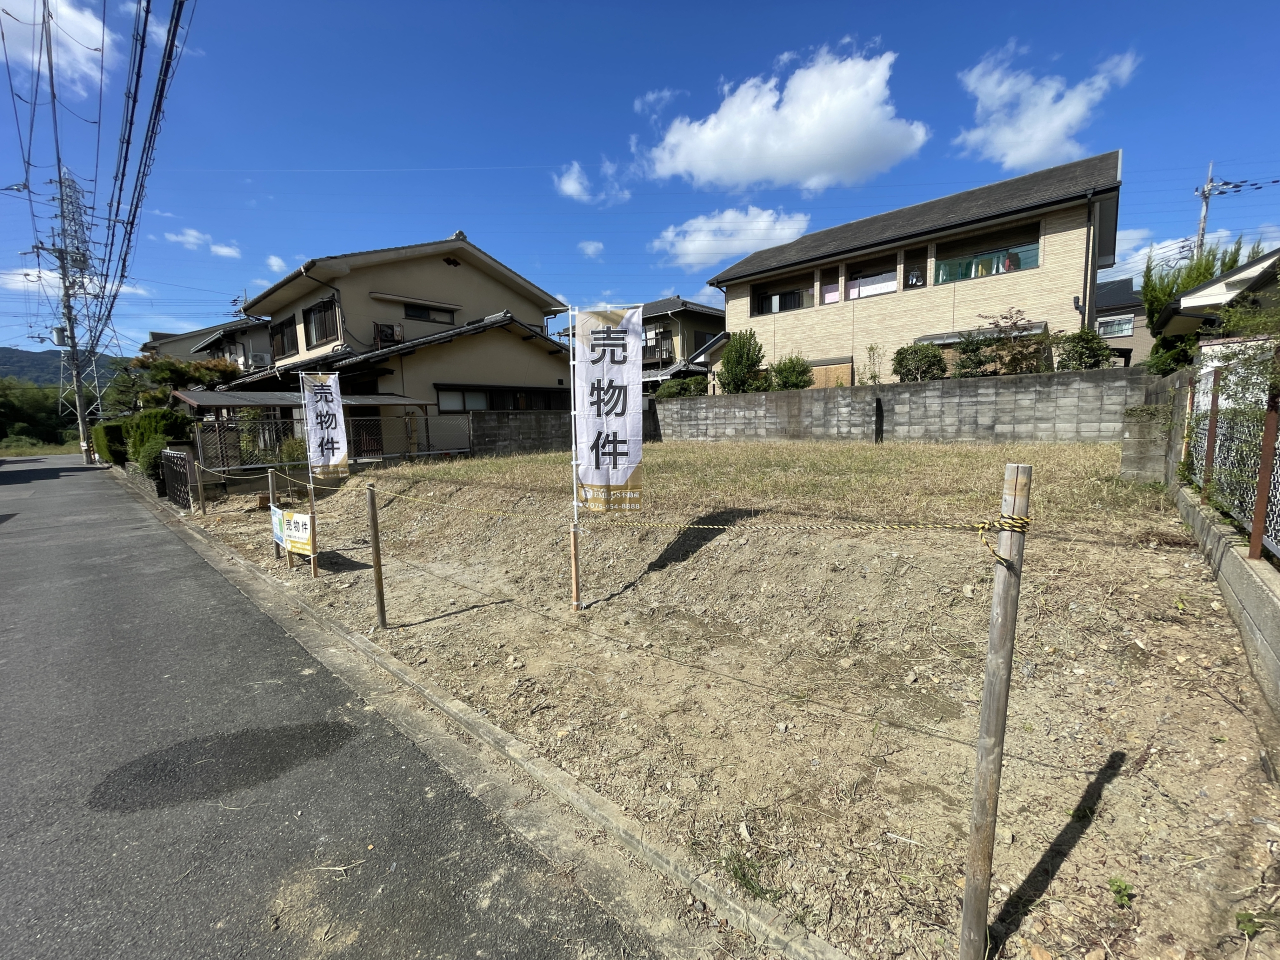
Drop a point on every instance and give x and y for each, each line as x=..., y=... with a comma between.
x=199, y=471
x=573, y=561
x=995, y=710
x=315, y=546
x=1211, y=440
x=377, y=556
x=271, y=495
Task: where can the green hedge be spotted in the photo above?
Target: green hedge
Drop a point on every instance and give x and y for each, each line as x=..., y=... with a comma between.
x=149, y=459
x=143, y=428
x=109, y=443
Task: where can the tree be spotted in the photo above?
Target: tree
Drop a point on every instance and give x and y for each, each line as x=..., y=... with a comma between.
x=1162, y=284
x=1083, y=350
x=740, y=364
x=31, y=412
x=792, y=373
x=145, y=382
x=688, y=387
x=917, y=362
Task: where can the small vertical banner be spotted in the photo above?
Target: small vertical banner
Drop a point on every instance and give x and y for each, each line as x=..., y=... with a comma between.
x=326, y=430
x=609, y=357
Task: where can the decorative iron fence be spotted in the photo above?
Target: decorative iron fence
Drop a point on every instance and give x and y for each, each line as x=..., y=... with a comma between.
x=230, y=445
x=177, y=478
x=1225, y=448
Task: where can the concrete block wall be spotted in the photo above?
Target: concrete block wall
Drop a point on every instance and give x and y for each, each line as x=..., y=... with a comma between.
x=496, y=433
x=1086, y=405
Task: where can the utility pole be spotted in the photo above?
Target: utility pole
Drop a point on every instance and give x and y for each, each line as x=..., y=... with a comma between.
x=1204, y=193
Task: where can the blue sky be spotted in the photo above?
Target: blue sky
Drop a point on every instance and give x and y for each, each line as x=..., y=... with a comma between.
x=620, y=152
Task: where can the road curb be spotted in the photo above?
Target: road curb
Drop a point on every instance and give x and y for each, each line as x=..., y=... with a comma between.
x=766, y=924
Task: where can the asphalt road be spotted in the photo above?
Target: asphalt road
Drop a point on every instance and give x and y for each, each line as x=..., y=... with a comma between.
x=179, y=778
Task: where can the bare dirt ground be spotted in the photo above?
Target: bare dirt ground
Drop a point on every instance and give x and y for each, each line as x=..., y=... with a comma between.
x=797, y=708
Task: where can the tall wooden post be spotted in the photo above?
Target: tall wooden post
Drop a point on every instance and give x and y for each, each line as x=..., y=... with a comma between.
x=199, y=472
x=315, y=540
x=995, y=710
x=1262, y=501
x=1211, y=439
x=573, y=562
x=271, y=496
x=376, y=542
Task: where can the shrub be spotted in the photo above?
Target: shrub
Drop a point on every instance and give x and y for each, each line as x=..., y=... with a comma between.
x=148, y=458
x=109, y=443
x=740, y=364
x=688, y=387
x=142, y=428
x=1083, y=350
x=919, y=361
x=293, y=450
x=792, y=373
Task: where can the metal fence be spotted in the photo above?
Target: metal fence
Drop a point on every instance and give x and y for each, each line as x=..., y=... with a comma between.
x=1225, y=446
x=229, y=445
x=177, y=478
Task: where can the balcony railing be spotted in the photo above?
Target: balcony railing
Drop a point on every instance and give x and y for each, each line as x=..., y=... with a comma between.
x=660, y=352
x=1008, y=260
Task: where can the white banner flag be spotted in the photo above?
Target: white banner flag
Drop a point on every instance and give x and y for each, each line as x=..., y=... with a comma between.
x=326, y=429
x=609, y=408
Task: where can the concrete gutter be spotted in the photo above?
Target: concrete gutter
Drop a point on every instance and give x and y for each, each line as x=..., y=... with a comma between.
x=765, y=924
x=1251, y=590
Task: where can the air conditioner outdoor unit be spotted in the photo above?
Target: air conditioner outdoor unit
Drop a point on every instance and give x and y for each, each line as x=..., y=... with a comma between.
x=260, y=359
x=389, y=333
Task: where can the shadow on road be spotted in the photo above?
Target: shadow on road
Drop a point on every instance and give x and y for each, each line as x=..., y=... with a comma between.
x=1037, y=882
x=36, y=474
x=209, y=767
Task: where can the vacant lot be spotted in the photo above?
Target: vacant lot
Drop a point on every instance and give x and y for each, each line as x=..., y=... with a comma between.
x=797, y=707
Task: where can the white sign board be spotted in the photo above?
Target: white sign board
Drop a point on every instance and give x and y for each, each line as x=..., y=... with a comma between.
x=293, y=531
x=609, y=408
x=326, y=429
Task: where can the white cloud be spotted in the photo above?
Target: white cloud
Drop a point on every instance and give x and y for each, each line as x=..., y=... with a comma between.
x=276, y=264
x=831, y=123
x=574, y=183
x=591, y=248
x=653, y=102
x=1025, y=123
x=707, y=240
x=49, y=283
x=190, y=238
x=711, y=296
x=160, y=213
x=225, y=250
x=80, y=44
x=261, y=283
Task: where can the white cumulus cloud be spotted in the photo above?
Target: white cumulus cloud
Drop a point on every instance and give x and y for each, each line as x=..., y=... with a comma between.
x=225, y=250
x=276, y=264
x=831, y=123
x=707, y=240
x=80, y=45
x=573, y=182
x=653, y=102
x=1024, y=122
x=261, y=283
x=591, y=248
x=190, y=238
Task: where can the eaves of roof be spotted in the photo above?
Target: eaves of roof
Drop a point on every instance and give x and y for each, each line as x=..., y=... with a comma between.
x=659, y=308
x=229, y=328
x=1044, y=188
x=504, y=319
x=1265, y=267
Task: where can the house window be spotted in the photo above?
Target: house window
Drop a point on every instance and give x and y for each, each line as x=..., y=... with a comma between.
x=915, y=268
x=417, y=311
x=870, y=278
x=1002, y=251
x=700, y=339
x=321, y=323
x=460, y=401
x=1116, y=326
x=658, y=345
x=779, y=296
x=284, y=338
x=830, y=285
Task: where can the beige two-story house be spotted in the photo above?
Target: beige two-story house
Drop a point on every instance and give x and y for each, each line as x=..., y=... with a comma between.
x=443, y=323
x=1033, y=243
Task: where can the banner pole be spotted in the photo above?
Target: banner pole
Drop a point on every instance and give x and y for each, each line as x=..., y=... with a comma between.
x=576, y=600
x=311, y=481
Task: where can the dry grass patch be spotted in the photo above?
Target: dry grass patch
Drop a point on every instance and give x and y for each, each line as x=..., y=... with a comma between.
x=797, y=707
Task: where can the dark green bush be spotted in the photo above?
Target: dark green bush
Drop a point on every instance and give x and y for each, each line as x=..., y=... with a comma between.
x=109, y=443
x=142, y=428
x=792, y=373
x=688, y=387
x=919, y=361
x=1083, y=350
x=149, y=460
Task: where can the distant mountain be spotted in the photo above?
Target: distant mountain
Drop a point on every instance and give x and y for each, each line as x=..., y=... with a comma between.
x=40, y=367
